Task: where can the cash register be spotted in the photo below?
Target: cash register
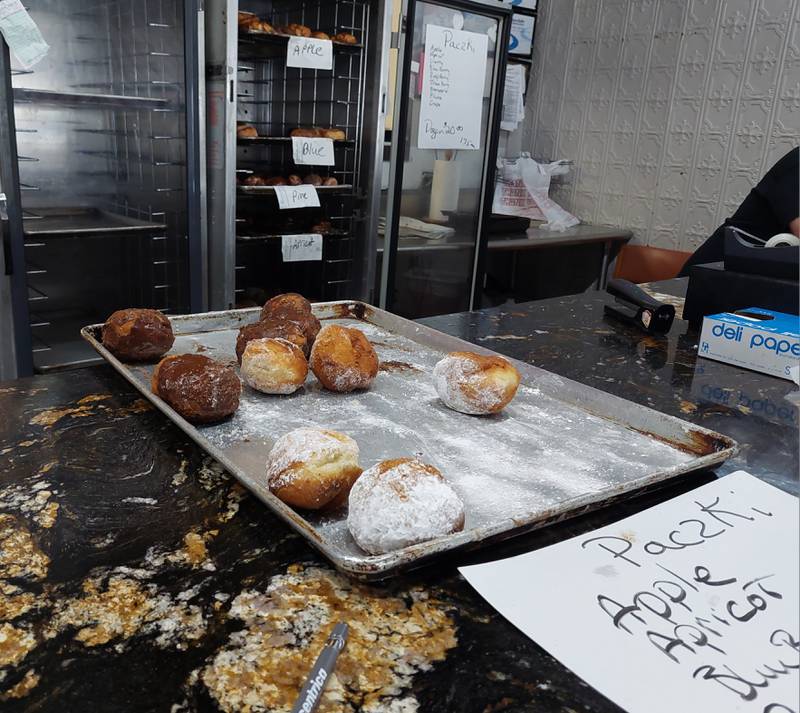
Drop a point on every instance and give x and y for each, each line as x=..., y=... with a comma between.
x=754, y=271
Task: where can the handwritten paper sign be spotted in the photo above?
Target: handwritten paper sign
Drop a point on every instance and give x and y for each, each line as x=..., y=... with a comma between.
x=21, y=33
x=290, y=197
x=317, y=152
x=689, y=606
x=309, y=53
x=299, y=248
x=452, y=89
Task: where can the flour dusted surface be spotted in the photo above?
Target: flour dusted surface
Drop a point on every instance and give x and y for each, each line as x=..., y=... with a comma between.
x=538, y=453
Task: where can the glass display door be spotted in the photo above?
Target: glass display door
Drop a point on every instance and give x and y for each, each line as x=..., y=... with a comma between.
x=444, y=147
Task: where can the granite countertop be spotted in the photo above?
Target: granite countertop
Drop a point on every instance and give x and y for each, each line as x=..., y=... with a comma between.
x=136, y=575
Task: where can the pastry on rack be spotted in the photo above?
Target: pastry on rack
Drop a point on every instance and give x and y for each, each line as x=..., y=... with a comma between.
x=138, y=334
x=335, y=134
x=317, y=132
x=275, y=181
x=475, y=384
x=330, y=181
x=253, y=180
x=345, y=38
x=401, y=502
x=313, y=179
x=323, y=226
x=317, y=35
x=200, y=389
x=343, y=359
x=295, y=29
x=246, y=20
x=263, y=26
x=313, y=468
x=274, y=366
x=294, y=180
x=245, y=131
x=271, y=329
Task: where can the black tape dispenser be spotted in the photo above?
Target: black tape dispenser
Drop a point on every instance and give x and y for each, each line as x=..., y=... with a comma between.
x=634, y=306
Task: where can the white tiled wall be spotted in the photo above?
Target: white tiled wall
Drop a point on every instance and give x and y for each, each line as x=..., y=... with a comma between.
x=671, y=109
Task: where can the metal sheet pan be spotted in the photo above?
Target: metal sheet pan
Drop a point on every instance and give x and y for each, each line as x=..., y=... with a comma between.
x=558, y=450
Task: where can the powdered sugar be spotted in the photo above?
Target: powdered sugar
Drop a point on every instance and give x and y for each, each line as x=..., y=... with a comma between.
x=307, y=445
x=542, y=451
x=401, y=506
x=452, y=374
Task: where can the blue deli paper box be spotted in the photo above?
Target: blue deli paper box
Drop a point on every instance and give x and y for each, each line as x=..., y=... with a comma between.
x=753, y=338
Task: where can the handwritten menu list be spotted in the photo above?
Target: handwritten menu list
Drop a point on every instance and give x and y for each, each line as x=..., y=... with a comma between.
x=689, y=606
x=452, y=89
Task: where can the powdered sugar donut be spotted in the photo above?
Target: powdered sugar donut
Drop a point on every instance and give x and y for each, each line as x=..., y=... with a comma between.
x=313, y=468
x=475, y=384
x=401, y=502
x=343, y=359
x=273, y=366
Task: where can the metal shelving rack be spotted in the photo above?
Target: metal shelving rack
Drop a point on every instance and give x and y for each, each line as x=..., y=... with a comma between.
x=249, y=82
x=101, y=151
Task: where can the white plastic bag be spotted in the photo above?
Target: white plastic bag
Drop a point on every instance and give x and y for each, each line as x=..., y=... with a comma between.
x=522, y=189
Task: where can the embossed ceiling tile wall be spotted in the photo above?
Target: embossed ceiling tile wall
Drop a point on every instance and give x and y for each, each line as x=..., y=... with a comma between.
x=671, y=109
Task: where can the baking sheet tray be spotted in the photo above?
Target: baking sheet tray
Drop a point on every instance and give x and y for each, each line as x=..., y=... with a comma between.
x=558, y=450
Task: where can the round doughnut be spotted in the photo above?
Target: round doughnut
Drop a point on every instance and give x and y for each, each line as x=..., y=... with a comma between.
x=198, y=388
x=138, y=334
x=274, y=366
x=313, y=468
x=475, y=384
x=290, y=301
x=401, y=502
x=271, y=329
x=295, y=308
x=343, y=359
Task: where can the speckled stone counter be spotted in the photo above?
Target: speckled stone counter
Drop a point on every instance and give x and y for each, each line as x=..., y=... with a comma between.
x=135, y=575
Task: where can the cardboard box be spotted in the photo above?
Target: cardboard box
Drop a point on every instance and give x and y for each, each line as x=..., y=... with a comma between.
x=753, y=338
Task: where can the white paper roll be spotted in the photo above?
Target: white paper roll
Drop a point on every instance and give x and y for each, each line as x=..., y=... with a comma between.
x=782, y=240
x=444, y=188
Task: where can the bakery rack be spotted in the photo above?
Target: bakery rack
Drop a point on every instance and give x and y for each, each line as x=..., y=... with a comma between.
x=254, y=86
x=101, y=149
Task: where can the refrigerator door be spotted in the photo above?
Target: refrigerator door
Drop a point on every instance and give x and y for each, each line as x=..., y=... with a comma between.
x=101, y=163
x=448, y=108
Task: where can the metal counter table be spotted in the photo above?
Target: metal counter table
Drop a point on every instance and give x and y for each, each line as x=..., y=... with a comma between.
x=532, y=239
x=135, y=575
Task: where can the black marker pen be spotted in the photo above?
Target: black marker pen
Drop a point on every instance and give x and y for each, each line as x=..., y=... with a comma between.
x=310, y=694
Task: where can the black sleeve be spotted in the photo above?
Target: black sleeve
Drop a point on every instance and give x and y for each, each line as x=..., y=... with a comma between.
x=780, y=188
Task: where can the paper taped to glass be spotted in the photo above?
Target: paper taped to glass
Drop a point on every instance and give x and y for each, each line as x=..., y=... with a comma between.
x=21, y=33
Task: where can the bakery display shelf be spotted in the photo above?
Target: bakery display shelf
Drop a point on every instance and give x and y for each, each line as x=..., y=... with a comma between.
x=266, y=237
x=560, y=449
x=340, y=190
x=276, y=39
x=283, y=140
x=91, y=101
x=60, y=222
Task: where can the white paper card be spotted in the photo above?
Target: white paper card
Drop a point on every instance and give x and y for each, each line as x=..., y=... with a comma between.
x=313, y=151
x=299, y=248
x=21, y=33
x=290, y=197
x=452, y=89
x=691, y=605
x=309, y=53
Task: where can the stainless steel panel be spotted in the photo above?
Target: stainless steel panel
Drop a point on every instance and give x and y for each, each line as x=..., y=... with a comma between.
x=558, y=450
